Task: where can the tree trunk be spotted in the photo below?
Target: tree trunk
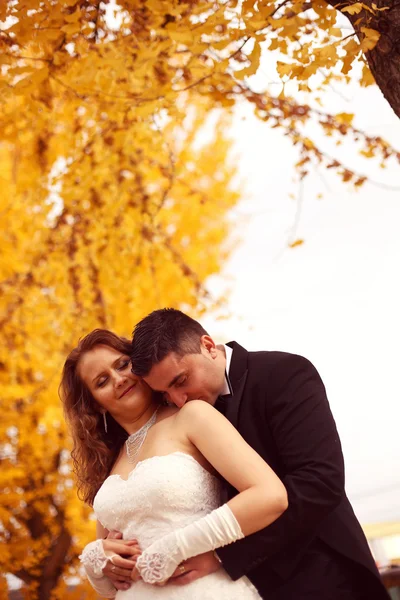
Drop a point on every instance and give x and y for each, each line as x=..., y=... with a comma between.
x=54, y=565
x=54, y=561
x=384, y=59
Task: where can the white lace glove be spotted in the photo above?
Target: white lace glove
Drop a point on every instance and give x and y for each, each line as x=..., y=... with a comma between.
x=160, y=559
x=94, y=558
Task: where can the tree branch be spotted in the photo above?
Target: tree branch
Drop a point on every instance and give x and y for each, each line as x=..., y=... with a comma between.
x=384, y=58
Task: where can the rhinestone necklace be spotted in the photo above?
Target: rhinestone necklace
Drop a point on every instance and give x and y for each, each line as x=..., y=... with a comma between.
x=135, y=441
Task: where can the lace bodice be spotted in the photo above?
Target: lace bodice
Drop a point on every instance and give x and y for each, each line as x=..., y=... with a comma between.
x=162, y=494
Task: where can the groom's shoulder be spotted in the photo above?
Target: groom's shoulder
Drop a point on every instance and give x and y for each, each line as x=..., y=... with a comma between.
x=277, y=357
x=274, y=358
x=279, y=367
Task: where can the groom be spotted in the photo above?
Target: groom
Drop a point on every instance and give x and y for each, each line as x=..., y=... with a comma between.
x=316, y=550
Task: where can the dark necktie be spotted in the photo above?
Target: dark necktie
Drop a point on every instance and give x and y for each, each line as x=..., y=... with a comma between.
x=223, y=399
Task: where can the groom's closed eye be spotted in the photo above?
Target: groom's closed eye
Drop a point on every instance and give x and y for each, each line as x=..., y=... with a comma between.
x=177, y=380
x=181, y=381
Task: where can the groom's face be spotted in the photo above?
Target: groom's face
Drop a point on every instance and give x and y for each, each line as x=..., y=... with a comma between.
x=190, y=377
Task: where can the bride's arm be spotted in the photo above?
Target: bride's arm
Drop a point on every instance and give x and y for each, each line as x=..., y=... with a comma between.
x=96, y=555
x=263, y=497
x=261, y=500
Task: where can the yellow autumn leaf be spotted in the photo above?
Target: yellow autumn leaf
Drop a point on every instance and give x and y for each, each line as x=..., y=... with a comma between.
x=309, y=144
x=34, y=78
x=359, y=182
x=155, y=6
x=15, y=71
x=352, y=49
x=377, y=8
x=283, y=68
x=54, y=34
x=73, y=17
x=222, y=44
x=296, y=243
x=367, y=78
x=254, y=58
x=368, y=153
x=371, y=38
x=326, y=54
x=353, y=9
x=345, y=118
x=183, y=37
x=71, y=28
x=274, y=44
x=257, y=23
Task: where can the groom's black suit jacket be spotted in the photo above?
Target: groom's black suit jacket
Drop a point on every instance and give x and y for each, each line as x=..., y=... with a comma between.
x=279, y=406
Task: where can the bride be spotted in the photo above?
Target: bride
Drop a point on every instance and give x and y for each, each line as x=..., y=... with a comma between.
x=153, y=472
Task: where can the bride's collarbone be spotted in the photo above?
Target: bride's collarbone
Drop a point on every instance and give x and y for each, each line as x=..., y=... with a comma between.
x=161, y=444
x=165, y=437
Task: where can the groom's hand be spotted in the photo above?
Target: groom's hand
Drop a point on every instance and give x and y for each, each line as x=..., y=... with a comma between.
x=114, y=535
x=195, y=567
x=120, y=569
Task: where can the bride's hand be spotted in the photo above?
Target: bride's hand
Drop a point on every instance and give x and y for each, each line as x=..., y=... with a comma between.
x=135, y=576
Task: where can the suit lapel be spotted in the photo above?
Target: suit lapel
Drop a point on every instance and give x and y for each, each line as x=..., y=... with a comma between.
x=237, y=376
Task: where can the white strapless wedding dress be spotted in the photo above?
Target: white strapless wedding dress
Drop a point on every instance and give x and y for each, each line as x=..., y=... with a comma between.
x=161, y=494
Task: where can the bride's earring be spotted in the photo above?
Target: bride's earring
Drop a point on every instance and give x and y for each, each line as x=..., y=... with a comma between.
x=105, y=421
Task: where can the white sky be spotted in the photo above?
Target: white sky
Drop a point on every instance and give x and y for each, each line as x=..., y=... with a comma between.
x=335, y=299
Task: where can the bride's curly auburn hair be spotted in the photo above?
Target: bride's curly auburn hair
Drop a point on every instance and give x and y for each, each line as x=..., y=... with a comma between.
x=94, y=451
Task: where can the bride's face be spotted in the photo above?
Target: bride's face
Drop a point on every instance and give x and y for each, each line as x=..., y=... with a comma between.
x=108, y=376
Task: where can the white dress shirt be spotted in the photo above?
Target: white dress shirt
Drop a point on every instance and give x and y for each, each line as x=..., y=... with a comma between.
x=228, y=355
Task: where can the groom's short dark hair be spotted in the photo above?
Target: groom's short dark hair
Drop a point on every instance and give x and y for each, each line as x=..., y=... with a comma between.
x=160, y=333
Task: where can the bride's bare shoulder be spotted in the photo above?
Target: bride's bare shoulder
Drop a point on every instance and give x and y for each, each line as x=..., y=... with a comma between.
x=196, y=409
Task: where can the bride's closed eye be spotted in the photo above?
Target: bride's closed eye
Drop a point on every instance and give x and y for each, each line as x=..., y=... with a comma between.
x=124, y=364
x=121, y=366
